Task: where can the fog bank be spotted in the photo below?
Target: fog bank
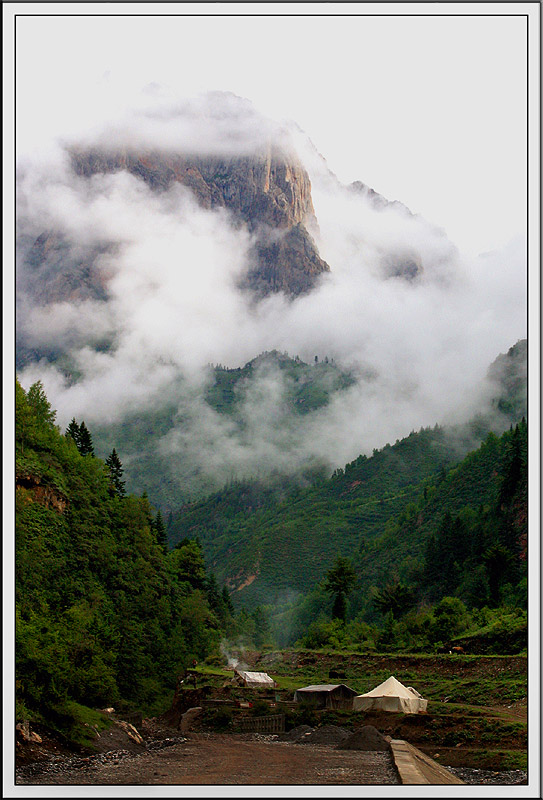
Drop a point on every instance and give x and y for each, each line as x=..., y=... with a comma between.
x=171, y=304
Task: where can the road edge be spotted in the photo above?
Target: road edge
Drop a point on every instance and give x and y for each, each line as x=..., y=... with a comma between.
x=415, y=767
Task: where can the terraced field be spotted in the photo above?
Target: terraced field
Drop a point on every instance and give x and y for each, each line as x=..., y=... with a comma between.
x=477, y=709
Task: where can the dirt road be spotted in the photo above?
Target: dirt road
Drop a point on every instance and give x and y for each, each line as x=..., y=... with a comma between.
x=214, y=759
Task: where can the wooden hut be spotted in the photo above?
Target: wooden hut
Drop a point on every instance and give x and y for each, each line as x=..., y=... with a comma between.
x=327, y=695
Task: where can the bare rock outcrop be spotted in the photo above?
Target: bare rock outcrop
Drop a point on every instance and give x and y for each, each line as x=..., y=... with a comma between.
x=269, y=193
x=42, y=493
x=24, y=733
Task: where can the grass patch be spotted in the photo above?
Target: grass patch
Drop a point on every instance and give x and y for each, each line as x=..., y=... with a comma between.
x=79, y=724
x=500, y=760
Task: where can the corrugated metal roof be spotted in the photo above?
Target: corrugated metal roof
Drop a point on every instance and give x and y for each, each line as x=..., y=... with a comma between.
x=324, y=687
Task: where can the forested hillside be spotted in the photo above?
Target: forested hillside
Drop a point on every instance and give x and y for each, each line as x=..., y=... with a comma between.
x=170, y=476
x=403, y=550
x=265, y=547
x=288, y=543
x=451, y=565
x=413, y=522
x=104, y=614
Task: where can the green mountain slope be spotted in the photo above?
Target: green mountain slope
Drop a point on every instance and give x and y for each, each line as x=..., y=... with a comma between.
x=379, y=512
x=104, y=616
x=170, y=476
x=466, y=511
x=309, y=386
x=287, y=544
x=271, y=540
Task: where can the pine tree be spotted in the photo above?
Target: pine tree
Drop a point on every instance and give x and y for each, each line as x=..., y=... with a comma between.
x=513, y=468
x=37, y=399
x=339, y=581
x=214, y=597
x=160, y=531
x=85, y=441
x=262, y=633
x=115, y=468
x=396, y=598
x=81, y=436
x=227, y=600
x=72, y=432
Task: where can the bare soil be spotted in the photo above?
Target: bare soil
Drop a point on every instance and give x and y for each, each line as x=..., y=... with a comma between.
x=220, y=759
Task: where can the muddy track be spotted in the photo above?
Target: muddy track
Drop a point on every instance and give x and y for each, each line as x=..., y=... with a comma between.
x=213, y=759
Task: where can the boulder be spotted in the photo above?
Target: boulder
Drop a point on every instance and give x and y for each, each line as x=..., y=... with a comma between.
x=188, y=718
x=24, y=732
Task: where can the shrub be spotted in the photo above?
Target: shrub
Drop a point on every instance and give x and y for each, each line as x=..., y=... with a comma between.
x=305, y=714
x=218, y=718
x=260, y=708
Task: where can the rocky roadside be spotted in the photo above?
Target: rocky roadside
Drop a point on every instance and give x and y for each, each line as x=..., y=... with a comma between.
x=40, y=761
x=155, y=737
x=484, y=777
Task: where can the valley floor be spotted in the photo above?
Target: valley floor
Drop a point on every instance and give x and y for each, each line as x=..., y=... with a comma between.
x=226, y=759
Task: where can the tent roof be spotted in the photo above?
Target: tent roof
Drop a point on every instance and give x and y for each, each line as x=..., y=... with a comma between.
x=324, y=687
x=254, y=677
x=390, y=688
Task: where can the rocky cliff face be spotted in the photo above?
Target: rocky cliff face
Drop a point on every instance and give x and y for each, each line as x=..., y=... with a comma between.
x=34, y=491
x=269, y=193
x=59, y=269
x=407, y=264
x=268, y=189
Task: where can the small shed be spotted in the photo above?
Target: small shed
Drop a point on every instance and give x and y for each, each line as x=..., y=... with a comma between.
x=327, y=695
x=255, y=680
x=391, y=695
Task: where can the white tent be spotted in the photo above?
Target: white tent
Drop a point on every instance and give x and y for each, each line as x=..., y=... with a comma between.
x=391, y=696
x=257, y=679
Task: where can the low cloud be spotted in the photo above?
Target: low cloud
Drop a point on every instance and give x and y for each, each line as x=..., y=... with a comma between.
x=171, y=306
x=212, y=123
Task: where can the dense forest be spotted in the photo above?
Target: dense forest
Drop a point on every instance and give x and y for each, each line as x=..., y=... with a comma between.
x=451, y=565
x=414, y=521
x=406, y=550
x=105, y=614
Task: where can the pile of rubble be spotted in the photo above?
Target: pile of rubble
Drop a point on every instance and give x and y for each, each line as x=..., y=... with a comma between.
x=57, y=764
x=366, y=738
x=114, y=744
x=295, y=734
x=326, y=734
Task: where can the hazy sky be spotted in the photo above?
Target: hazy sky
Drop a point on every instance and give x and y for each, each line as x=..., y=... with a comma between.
x=429, y=110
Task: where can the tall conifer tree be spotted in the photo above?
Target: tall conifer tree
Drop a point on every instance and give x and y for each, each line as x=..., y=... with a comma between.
x=115, y=469
x=160, y=531
x=85, y=441
x=72, y=432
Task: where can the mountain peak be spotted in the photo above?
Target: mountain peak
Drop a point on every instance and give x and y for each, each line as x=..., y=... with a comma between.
x=269, y=192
